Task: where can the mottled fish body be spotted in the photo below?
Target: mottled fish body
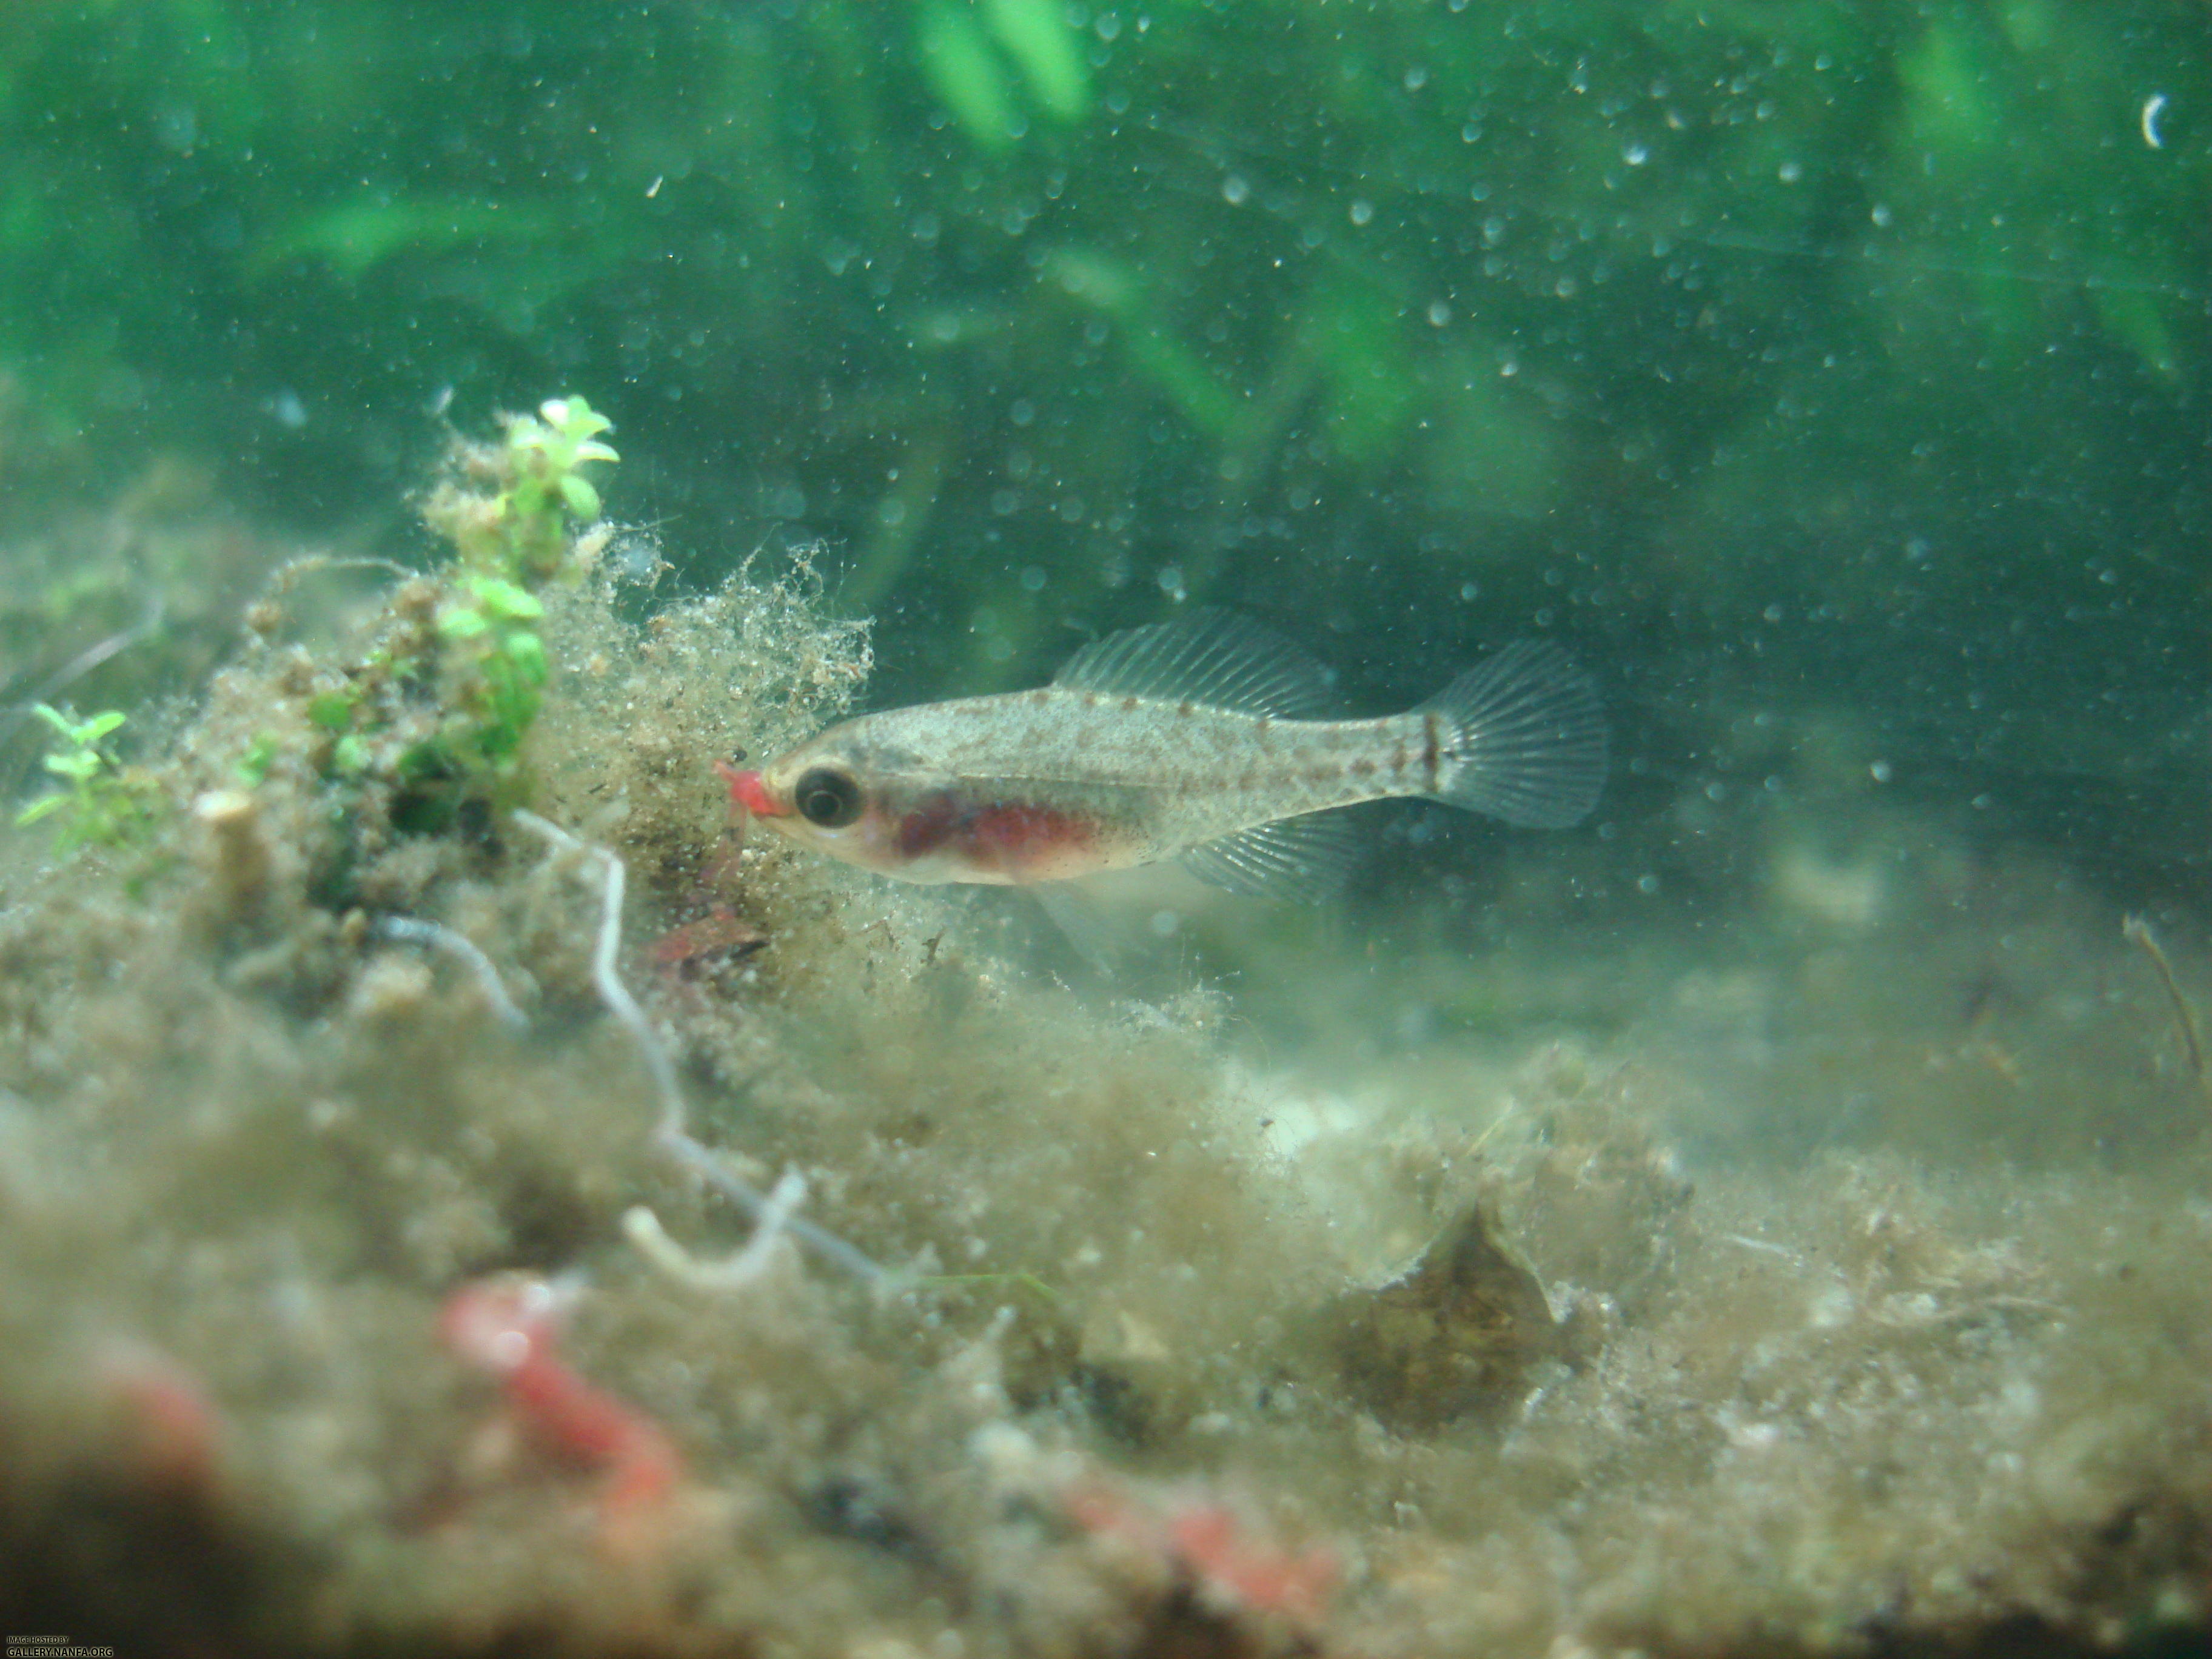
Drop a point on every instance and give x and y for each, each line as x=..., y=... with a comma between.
x=1196, y=739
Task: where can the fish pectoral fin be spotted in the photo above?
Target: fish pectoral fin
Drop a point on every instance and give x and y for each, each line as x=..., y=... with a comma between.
x=1215, y=659
x=1305, y=859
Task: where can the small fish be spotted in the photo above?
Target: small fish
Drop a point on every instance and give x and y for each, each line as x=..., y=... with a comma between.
x=1204, y=740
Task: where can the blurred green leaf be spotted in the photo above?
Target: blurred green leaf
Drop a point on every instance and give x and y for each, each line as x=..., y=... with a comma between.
x=355, y=237
x=582, y=498
x=1166, y=362
x=962, y=70
x=1036, y=35
x=1373, y=389
x=2138, y=320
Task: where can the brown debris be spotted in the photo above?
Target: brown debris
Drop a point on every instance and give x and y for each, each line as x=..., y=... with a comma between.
x=1452, y=1336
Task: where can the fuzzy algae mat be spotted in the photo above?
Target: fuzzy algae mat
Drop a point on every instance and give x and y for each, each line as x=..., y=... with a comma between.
x=338, y=1315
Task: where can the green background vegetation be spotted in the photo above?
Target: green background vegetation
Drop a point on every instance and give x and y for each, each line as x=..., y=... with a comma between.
x=1782, y=358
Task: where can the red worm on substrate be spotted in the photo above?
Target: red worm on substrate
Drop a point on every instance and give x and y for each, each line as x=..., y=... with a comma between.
x=508, y=1326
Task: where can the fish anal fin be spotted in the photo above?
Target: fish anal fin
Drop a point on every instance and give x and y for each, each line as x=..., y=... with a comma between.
x=1305, y=859
x=1214, y=659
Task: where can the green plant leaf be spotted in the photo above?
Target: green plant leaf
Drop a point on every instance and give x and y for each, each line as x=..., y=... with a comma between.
x=79, y=765
x=963, y=69
x=62, y=724
x=252, y=767
x=332, y=710
x=503, y=600
x=583, y=501
x=527, y=653
x=462, y=621
x=1037, y=36
x=573, y=417
x=355, y=237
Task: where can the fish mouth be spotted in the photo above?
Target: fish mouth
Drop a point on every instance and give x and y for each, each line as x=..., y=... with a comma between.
x=749, y=791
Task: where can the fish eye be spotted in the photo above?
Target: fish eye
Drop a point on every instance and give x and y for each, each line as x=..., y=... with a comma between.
x=827, y=798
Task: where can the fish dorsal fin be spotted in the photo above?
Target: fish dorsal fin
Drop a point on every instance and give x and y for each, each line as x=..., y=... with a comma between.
x=1214, y=657
x=1305, y=859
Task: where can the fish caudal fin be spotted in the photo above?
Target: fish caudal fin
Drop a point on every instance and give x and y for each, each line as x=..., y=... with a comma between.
x=1523, y=738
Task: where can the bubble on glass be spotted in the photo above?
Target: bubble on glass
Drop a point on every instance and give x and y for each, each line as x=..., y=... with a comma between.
x=2154, y=107
x=1171, y=583
x=1439, y=313
x=1235, y=191
x=1032, y=579
x=1363, y=211
x=177, y=127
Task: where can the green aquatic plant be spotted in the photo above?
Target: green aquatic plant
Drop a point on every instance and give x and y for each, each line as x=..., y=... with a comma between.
x=519, y=530
x=511, y=510
x=493, y=623
x=100, y=803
